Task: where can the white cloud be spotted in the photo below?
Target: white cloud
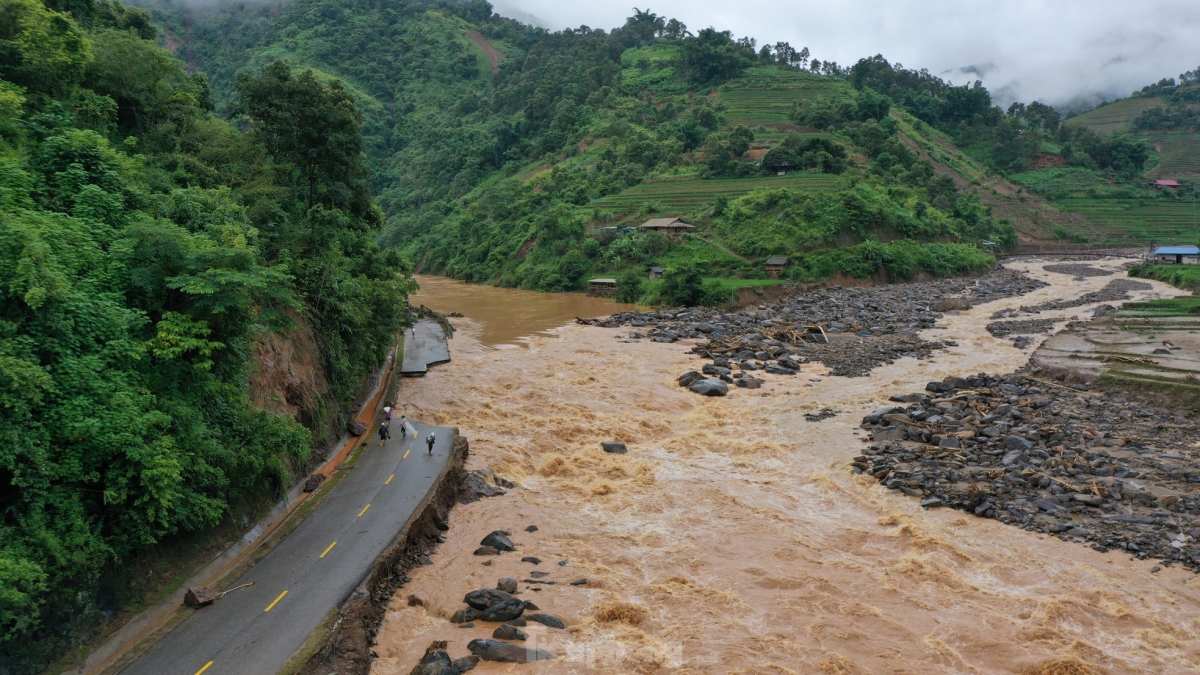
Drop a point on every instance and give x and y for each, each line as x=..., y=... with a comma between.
x=1050, y=50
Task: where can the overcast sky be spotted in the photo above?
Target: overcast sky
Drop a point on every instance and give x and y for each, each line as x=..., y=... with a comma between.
x=1049, y=50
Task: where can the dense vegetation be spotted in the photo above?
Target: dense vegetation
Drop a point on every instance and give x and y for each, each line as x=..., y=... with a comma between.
x=145, y=245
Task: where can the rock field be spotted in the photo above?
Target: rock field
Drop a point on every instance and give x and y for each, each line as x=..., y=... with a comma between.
x=863, y=328
x=1109, y=471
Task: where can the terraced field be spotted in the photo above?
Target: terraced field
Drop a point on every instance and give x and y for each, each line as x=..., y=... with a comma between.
x=764, y=96
x=1115, y=116
x=1179, y=155
x=1135, y=221
x=690, y=194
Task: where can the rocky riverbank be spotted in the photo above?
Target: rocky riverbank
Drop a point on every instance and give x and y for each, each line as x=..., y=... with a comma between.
x=1109, y=471
x=860, y=328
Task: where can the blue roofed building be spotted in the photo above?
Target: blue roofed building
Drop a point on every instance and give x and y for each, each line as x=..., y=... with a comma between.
x=1177, y=255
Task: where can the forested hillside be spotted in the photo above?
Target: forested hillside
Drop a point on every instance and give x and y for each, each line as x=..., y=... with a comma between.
x=145, y=245
x=512, y=155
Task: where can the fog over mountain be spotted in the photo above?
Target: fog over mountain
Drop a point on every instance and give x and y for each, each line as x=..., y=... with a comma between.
x=1065, y=52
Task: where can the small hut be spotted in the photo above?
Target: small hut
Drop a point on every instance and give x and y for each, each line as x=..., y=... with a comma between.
x=656, y=273
x=602, y=288
x=666, y=226
x=1177, y=255
x=775, y=266
x=1164, y=184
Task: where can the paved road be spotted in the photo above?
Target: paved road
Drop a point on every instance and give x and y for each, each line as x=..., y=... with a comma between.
x=255, y=630
x=424, y=345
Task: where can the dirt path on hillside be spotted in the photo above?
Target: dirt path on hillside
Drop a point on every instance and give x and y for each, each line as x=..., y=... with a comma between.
x=733, y=537
x=494, y=56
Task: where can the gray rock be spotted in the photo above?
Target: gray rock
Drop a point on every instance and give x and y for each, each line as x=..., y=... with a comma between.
x=532, y=559
x=950, y=442
x=499, y=540
x=932, y=502
x=956, y=382
x=614, y=447
x=503, y=611
x=532, y=528
x=712, y=369
x=474, y=487
x=905, y=398
x=508, y=632
x=465, y=663
x=507, y=585
x=487, y=550
x=529, y=605
x=779, y=370
x=1090, y=500
x=689, y=377
x=709, y=388
x=356, y=428
x=546, y=620
x=1016, y=443
x=506, y=652
x=878, y=413
x=1012, y=457
x=486, y=597
x=748, y=383
x=519, y=622
x=579, y=582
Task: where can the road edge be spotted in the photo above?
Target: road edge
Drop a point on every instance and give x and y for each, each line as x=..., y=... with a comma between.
x=343, y=643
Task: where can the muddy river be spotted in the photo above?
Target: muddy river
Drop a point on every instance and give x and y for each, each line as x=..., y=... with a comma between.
x=733, y=538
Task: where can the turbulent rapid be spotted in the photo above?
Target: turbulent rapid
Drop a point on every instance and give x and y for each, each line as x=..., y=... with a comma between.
x=733, y=538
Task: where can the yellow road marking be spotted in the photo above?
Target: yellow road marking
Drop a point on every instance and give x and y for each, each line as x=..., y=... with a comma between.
x=406, y=453
x=204, y=668
x=364, y=510
x=276, y=601
x=416, y=433
x=389, y=479
x=329, y=549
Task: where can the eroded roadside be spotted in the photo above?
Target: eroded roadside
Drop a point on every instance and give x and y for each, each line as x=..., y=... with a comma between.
x=734, y=537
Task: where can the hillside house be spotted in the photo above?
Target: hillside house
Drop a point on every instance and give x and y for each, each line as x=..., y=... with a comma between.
x=775, y=266
x=666, y=226
x=656, y=273
x=1164, y=184
x=602, y=288
x=1177, y=255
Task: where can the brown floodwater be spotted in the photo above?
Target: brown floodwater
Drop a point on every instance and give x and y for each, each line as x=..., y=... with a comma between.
x=733, y=537
x=510, y=317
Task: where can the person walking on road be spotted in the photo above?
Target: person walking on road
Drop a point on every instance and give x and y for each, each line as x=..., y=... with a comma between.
x=387, y=413
x=429, y=441
x=384, y=434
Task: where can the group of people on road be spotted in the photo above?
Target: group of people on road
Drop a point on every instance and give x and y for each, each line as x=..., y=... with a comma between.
x=385, y=432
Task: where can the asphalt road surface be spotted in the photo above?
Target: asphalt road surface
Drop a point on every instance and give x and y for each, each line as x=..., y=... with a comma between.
x=253, y=631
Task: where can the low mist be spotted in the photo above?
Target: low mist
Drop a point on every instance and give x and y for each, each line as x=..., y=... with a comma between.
x=1068, y=53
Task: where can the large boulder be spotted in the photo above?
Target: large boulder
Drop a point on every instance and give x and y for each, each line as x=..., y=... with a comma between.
x=475, y=487
x=199, y=596
x=503, y=611
x=465, y=615
x=709, y=388
x=689, y=377
x=486, y=597
x=498, y=540
x=507, y=584
x=506, y=652
x=877, y=414
x=614, y=447
x=356, y=428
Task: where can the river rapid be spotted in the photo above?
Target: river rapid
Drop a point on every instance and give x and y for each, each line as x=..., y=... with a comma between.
x=733, y=537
